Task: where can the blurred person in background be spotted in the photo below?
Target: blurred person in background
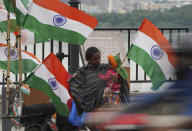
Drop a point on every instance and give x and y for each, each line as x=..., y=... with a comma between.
x=176, y=99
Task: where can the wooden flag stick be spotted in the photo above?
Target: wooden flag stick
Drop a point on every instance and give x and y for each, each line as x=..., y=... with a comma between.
x=6, y=76
x=14, y=46
x=17, y=37
x=20, y=68
x=8, y=64
x=15, y=43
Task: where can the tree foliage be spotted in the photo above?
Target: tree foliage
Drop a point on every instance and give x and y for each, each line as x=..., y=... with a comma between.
x=175, y=17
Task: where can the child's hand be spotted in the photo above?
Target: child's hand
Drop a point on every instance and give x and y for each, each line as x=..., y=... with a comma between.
x=107, y=90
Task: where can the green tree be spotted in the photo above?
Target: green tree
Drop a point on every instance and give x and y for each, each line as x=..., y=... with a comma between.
x=175, y=17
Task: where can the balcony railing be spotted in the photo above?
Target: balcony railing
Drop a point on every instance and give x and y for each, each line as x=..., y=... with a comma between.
x=41, y=50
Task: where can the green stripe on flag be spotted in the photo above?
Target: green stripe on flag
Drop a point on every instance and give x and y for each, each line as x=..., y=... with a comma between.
x=53, y=32
x=21, y=10
x=25, y=3
x=151, y=68
x=27, y=66
x=9, y=5
x=20, y=17
x=25, y=92
x=38, y=83
x=13, y=26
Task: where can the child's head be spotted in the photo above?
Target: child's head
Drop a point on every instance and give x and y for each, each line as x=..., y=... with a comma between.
x=112, y=61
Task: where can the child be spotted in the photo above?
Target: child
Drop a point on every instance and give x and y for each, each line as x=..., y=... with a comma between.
x=112, y=91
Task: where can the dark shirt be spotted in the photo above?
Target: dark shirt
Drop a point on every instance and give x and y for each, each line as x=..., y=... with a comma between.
x=87, y=88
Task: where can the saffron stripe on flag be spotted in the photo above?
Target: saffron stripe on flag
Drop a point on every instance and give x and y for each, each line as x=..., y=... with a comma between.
x=30, y=55
x=56, y=68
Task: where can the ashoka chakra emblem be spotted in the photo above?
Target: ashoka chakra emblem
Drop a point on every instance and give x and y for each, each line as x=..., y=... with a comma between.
x=59, y=20
x=53, y=83
x=156, y=52
x=13, y=53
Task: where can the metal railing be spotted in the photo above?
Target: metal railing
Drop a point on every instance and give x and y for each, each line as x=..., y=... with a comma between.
x=43, y=49
x=171, y=32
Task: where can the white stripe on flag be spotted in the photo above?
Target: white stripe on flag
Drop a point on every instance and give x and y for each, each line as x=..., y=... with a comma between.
x=39, y=13
x=21, y=7
x=46, y=76
x=3, y=15
x=3, y=56
x=26, y=56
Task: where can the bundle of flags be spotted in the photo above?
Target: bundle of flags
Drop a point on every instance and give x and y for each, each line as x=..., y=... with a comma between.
x=29, y=62
x=27, y=36
x=41, y=21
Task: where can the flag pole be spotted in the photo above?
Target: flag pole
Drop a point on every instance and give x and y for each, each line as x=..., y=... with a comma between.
x=20, y=59
x=8, y=64
x=20, y=69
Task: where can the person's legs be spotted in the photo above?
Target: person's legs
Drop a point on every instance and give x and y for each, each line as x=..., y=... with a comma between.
x=63, y=123
x=37, y=113
x=47, y=109
x=32, y=114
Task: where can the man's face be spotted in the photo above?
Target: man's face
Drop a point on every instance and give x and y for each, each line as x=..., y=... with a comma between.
x=95, y=59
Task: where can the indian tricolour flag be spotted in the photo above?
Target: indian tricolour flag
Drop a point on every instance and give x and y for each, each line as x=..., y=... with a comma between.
x=152, y=51
x=29, y=61
x=50, y=77
x=25, y=89
x=56, y=20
